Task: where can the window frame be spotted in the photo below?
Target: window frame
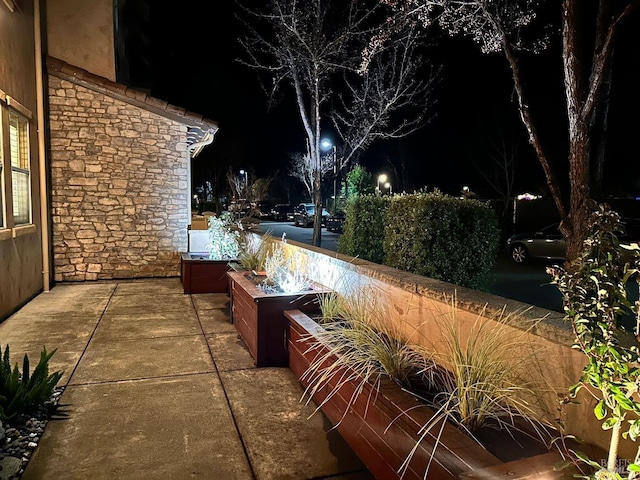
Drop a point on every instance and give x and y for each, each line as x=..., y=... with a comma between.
x=19, y=171
x=9, y=107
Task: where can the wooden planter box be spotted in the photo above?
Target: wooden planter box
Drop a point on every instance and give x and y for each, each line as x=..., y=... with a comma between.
x=382, y=436
x=198, y=274
x=259, y=319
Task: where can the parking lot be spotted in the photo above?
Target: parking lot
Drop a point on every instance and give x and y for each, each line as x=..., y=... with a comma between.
x=300, y=234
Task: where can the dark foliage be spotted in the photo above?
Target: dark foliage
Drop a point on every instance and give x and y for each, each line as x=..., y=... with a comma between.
x=364, y=228
x=22, y=393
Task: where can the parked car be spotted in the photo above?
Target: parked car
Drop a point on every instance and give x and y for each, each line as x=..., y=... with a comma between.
x=545, y=244
x=282, y=212
x=548, y=244
x=335, y=221
x=261, y=209
x=304, y=213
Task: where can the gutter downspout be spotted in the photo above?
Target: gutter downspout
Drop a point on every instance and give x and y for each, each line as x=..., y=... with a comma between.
x=44, y=205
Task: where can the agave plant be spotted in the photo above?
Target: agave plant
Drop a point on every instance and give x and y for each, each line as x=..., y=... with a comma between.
x=24, y=392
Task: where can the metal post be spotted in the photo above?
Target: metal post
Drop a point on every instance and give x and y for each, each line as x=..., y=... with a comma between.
x=335, y=181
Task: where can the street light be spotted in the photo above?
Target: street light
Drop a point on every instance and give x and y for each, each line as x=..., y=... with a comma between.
x=246, y=179
x=388, y=187
x=381, y=179
x=327, y=145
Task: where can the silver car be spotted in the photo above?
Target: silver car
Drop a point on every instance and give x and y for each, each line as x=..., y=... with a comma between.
x=545, y=244
x=548, y=243
x=304, y=214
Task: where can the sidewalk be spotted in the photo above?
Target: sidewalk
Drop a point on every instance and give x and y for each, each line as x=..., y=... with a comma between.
x=159, y=386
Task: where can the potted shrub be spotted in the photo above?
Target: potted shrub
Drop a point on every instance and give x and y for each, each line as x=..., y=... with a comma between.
x=596, y=303
x=207, y=273
x=258, y=300
x=405, y=411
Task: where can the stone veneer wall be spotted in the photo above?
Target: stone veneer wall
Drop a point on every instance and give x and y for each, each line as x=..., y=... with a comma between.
x=119, y=187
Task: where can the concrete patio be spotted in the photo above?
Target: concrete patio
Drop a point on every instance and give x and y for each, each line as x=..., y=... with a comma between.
x=159, y=386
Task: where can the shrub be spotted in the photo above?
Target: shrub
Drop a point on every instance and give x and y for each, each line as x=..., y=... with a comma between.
x=358, y=335
x=223, y=242
x=253, y=250
x=22, y=393
x=364, y=228
x=406, y=235
x=442, y=237
x=595, y=302
x=430, y=234
x=359, y=182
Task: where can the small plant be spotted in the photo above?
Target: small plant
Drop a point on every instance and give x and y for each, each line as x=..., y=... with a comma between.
x=361, y=338
x=332, y=307
x=595, y=302
x=254, y=250
x=286, y=270
x=22, y=393
x=223, y=240
x=489, y=372
x=485, y=380
x=276, y=259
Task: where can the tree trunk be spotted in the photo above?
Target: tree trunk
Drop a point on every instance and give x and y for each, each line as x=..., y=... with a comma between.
x=582, y=93
x=599, y=129
x=574, y=225
x=317, y=201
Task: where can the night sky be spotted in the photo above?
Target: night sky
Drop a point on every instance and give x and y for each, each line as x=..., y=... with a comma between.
x=194, y=65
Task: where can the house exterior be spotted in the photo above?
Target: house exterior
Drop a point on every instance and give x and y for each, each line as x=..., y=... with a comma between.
x=119, y=178
x=94, y=176
x=23, y=221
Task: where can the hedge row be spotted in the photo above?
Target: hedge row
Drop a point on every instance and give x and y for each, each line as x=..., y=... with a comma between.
x=364, y=228
x=430, y=234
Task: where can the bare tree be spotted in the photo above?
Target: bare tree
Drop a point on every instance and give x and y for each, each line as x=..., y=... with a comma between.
x=249, y=189
x=497, y=162
x=312, y=45
x=237, y=184
x=390, y=97
x=502, y=26
x=301, y=168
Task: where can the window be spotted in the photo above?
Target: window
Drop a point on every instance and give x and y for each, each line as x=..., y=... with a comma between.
x=15, y=168
x=20, y=181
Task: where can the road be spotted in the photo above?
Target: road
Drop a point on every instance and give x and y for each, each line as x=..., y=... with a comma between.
x=528, y=283
x=300, y=234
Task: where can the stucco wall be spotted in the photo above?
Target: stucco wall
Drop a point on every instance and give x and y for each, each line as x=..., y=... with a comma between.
x=119, y=187
x=420, y=306
x=80, y=32
x=20, y=248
